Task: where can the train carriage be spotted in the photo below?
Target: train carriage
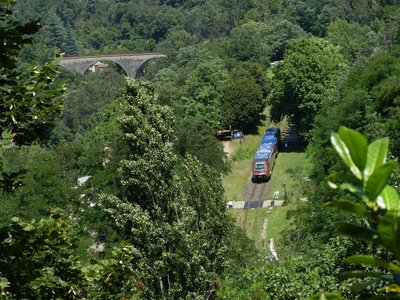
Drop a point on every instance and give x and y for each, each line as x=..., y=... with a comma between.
x=264, y=160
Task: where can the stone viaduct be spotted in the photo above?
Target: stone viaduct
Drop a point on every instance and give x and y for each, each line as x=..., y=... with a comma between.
x=131, y=63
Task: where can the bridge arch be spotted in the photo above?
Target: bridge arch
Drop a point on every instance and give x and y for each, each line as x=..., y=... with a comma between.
x=130, y=63
x=88, y=65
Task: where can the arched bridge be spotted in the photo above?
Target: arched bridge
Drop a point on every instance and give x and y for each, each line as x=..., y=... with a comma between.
x=131, y=63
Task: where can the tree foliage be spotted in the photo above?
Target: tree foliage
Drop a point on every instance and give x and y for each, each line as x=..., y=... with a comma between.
x=242, y=97
x=310, y=71
x=175, y=220
x=156, y=193
x=29, y=96
x=37, y=259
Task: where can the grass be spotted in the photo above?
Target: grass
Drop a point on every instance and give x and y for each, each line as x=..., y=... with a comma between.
x=255, y=220
x=290, y=168
x=277, y=221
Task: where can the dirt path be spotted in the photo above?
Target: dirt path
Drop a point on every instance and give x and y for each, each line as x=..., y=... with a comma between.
x=264, y=231
x=227, y=148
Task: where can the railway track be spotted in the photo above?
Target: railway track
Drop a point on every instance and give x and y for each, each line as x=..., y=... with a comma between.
x=256, y=191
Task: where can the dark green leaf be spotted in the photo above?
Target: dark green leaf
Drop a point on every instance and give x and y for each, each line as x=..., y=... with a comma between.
x=350, y=206
x=389, y=232
x=359, y=286
x=338, y=178
x=357, y=232
x=358, y=274
x=346, y=182
x=371, y=261
x=378, y=180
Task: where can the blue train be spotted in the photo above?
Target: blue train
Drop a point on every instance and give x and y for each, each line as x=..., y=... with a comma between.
x=264, y=160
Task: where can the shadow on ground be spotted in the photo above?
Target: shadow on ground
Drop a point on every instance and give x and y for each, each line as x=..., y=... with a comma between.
x=292, y=141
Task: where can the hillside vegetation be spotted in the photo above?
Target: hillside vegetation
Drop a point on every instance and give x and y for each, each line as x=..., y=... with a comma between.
x=147, y=218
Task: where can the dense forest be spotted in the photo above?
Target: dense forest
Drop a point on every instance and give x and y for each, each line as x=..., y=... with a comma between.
x=111, y=188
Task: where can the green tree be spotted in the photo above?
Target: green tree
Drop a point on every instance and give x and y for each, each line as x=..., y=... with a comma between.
x=175, y=219
x=279, y=33
x=241, y=102
x=356, y=42
x=309, y=73
x=54, y=31
x=29, y=96
x=40, y=183
x=249, y=41
x=37, y=259
x=87, y=96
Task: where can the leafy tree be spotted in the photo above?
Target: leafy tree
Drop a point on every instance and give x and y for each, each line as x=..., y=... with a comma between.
x=196, y=138
x=37, y=259
x=207, y=21
x=87, y=95
x=308, y=74
x=241, y=102
x=54, y=31
x=29, y=96
x=175, y=40
x=192, y=87
x=265, y=9
x=40, y=183
x=315, y=16
x=279, y=33
x=249, y=41
x=176, y=222
x=364, y=100
x=356, y=42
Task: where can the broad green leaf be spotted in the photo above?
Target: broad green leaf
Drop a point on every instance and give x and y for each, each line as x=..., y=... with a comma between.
x=389, y=199
x=389, y=232
x=357, y=232
x=371, y=261
x=355, y=189
x=346, y=182
x=344, y=153
x=350, y=206
x=356, y=144
x=339, y=178
x=376, y=156
x=378, y=180
x=358, y=274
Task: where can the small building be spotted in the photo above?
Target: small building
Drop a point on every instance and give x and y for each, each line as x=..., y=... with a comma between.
x=97, y=67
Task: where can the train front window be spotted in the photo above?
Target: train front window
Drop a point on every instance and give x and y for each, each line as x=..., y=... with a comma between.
x=260, y=166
